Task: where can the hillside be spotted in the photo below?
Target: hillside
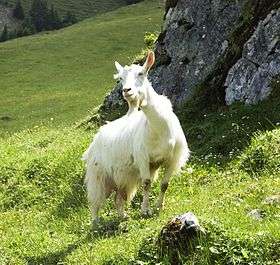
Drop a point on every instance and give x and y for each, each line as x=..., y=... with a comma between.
x=57, y=77
x=45, y=219
x=49, y=82
x=81, y=8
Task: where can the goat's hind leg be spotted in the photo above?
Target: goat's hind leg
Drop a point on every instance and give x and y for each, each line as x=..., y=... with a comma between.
x=96, y=197
x=121, y=198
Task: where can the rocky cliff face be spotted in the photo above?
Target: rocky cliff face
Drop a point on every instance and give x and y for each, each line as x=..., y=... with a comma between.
x=213, y=52
x=249, y=80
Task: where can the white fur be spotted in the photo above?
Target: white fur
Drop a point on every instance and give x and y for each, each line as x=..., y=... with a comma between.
x=129, y=150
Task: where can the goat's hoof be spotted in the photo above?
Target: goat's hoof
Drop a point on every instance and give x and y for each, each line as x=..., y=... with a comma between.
x=95, y=224
x=123, y=216
x=157, y=210
x=158, y=207
x=146, y=213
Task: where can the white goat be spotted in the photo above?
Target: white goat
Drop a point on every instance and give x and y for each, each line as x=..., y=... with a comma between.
x=130, y=150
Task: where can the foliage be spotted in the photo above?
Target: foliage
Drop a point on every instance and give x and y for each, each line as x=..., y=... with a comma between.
x=81, y=8
x=18, y=11
x=130, y=2
x=43, y=18
x=54, y=21
x=69, y=19
x=5, y=34
x=150, y=39
x=39, y=15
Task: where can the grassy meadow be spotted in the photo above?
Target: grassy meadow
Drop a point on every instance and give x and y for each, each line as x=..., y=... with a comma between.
x=48, y=83
x=56, y=77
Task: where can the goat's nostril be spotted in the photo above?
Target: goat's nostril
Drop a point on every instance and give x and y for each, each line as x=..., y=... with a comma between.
x=126, y=90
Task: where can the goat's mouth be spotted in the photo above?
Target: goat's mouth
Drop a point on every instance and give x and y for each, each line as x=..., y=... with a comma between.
x=126, y=95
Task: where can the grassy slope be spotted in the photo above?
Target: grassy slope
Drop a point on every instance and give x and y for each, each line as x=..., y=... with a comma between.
x=63, y=74
x=45, y=220
x=44, y=217
x=81, y=8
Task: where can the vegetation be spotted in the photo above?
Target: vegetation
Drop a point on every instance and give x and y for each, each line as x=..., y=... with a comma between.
x=44, y=215
x=5, y=34
x=18, y=11
x=80, y=8
x=42, y=18
x=45, y=218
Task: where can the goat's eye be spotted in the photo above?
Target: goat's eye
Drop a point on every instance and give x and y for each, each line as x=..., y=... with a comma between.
x=141, y=74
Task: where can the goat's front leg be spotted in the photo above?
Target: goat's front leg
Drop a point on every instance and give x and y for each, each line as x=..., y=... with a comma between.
x=145, y=207
x=163, y=187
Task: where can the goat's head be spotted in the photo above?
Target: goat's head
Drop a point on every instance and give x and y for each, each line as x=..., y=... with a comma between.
x=134, y=80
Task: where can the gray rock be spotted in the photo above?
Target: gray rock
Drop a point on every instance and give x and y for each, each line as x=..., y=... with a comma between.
x=180, y=236
x=249, y=80
x=195, y=40
x=272, y=200
x=256, y=214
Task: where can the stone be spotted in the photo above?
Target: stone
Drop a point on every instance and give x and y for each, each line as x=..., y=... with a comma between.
x=272, y=200
x=180, y=236
x=256, y=214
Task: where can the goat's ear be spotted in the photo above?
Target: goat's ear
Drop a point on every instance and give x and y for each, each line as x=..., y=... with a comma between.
x=149, y=61
x=118, y=67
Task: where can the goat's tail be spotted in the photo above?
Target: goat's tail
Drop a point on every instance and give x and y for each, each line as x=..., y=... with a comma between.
x=88, y=153
x=183, y=154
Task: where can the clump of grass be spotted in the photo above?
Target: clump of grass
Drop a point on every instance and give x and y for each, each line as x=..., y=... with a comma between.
x=262, y=154
x=150, y=39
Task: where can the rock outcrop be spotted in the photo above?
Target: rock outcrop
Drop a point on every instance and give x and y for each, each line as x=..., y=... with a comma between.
x=250, y=78
x=213, y=52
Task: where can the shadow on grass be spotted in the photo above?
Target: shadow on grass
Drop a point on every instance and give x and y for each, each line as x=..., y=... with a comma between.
x=73, y=200
x=105, y=229
x=217, y=138
x=54, y=257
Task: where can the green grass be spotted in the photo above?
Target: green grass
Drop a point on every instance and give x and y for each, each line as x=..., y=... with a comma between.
x=56, y=77
x=53, y=79
x=81, y=8
x=45, y=218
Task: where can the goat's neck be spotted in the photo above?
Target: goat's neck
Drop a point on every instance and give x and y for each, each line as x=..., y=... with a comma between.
x=153, y=110
x=131, y=109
